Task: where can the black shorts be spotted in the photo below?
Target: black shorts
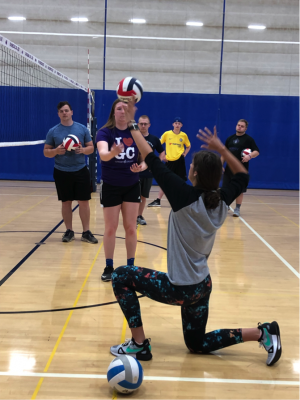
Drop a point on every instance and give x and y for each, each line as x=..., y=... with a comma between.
x=178, y=167
x=111, y=196
x=226, y=180
x=73, y=185
x=146, y=184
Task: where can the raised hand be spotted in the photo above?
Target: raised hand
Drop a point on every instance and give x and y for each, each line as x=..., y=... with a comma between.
x=129, y=109
x=61, y=150
x=212, y=142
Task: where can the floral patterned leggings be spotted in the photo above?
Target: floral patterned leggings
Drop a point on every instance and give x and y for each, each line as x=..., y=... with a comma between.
x=193, y=300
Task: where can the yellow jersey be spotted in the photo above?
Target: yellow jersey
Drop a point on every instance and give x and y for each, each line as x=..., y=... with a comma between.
x=175, y=144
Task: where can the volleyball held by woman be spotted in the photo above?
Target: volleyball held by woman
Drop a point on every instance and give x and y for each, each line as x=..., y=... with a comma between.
x=129, y=87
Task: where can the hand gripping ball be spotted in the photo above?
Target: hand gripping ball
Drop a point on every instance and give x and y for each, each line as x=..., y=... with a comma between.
x=125, y=374
x=129, y=87
x=70, y=142
x=246, y=152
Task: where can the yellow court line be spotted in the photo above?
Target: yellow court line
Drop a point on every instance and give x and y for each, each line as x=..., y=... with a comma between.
x=277, y=212
x=65, y=326
x=24, y=212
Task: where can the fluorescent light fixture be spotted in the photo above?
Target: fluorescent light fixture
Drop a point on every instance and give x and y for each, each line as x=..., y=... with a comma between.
x=256, y=27
x=80, y=19
x=137, y=21
x=17, y=18
x=194, y=23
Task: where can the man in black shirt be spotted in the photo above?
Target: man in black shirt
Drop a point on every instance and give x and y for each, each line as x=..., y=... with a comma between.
x=236, y=144
x=146, y=176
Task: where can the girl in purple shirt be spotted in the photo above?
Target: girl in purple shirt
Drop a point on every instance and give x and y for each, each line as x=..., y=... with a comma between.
x=120, y=187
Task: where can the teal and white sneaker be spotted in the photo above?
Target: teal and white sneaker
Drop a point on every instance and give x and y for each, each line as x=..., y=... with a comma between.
x=131, y=348
x=270, y=340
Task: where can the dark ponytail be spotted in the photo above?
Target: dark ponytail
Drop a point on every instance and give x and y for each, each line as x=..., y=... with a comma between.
x=209, y=171
x=211, y=199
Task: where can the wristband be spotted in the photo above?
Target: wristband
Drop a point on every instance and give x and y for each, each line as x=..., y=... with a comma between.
x=133, y=126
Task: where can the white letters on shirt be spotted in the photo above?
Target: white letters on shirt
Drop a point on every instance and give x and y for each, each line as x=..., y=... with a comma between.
x=129, y=153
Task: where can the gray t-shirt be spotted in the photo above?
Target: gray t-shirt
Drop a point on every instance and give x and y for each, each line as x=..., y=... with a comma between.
x=70, y=161
x=192, y=228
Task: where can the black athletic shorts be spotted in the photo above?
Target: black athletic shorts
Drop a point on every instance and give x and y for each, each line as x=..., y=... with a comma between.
x=146, y=184
x=73, y=185
x=178, y=167
x=111, y=196
x=226, y=180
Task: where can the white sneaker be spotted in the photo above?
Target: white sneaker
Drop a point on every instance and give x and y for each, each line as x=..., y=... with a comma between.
x=131, y=348
x=236, y=212
x=270, y=340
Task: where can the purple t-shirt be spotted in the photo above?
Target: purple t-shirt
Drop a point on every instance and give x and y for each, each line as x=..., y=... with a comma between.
x=116, y=171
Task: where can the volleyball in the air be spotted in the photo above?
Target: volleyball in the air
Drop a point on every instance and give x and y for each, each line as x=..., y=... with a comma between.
x=246, y=152
x=125, y=374
x=129, y=87
x=70, y=142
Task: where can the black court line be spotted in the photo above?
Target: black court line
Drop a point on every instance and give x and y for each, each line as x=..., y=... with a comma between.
x=95, y=234
x=63, y=309
x=3, y=280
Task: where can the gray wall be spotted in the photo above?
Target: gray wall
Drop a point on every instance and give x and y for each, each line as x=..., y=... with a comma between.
x=178, y=58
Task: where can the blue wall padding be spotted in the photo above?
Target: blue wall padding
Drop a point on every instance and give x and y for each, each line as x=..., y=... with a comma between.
x=26, y=114
x=273, y=123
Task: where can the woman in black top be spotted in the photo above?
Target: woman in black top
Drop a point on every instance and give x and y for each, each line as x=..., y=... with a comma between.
x=197, y=212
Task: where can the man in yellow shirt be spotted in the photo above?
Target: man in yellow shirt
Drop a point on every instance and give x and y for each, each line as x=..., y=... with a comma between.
x=177, y=147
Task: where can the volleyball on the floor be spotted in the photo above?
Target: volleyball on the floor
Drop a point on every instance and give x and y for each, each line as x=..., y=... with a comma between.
x=70, y=142
x=129, y=87
x=125, y=374
x=246, y=152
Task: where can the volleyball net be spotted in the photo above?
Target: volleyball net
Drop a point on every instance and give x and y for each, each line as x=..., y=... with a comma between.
x=30, y=90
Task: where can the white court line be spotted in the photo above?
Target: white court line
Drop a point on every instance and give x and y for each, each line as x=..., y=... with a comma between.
x=270, y=247
x=152, y=378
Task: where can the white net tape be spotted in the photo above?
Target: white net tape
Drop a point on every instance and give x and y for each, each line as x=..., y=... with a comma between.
x=13, y=144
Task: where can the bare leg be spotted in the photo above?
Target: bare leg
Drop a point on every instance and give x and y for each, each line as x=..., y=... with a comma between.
x=66, y=210
x=160, y=194
x=111, y=220
x=138, y=334
x=142, y=205
x=251, y=334
x=130, y=213
x=84, y=213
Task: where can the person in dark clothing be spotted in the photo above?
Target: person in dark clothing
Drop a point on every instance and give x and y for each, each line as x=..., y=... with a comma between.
x=197, y=213
x=236, y=144
x=146, y=176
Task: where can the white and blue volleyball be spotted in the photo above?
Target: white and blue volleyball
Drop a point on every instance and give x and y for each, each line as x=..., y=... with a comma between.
x=70, y=142
x=129, y=87
x=125, y=374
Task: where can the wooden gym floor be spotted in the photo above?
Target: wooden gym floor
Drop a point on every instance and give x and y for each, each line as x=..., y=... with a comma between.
x=65, y=354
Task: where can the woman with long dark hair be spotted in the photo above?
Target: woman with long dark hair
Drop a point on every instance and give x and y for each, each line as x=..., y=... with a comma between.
x=120, y=187
x=197, y=213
